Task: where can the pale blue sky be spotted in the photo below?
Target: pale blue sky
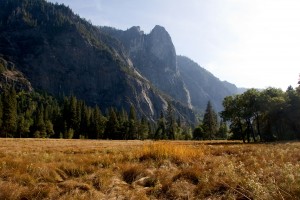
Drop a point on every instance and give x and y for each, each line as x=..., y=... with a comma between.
x=251, y=43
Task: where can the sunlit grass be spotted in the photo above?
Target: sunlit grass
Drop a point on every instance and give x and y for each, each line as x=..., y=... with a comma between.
x=87, y=169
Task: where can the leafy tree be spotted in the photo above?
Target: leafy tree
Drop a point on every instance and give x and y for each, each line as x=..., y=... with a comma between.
x=198, y=133
x=269, y=115
x=233, y=113
x=223, y=130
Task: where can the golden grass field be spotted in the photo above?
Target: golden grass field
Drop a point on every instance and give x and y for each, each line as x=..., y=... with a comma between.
x=92, y=169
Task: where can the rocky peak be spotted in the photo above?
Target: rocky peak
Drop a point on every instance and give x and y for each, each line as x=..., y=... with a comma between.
x=135, y=30
x=160, y=31
x=161, y=46
x=154, y=56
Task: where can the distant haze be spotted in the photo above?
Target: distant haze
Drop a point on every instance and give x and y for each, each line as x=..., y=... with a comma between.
x=251, y=43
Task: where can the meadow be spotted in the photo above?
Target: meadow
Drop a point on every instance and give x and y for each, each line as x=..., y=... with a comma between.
x=97, y=169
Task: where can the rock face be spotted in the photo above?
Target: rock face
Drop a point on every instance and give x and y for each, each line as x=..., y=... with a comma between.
x=12, y=77
x=62, y=54
x=154, y=56
x=203, y=85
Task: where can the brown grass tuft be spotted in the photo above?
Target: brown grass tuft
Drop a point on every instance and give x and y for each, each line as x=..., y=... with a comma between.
x=188, y=175
x=176, y=153
x=131, y=173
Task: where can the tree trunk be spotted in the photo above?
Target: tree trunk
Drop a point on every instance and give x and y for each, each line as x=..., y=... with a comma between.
x=242, y=132
x=258, y=127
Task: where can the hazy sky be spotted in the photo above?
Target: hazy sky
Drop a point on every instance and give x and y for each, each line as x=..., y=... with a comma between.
x=251, y=43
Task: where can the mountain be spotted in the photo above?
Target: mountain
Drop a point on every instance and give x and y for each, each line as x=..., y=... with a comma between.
x=45, y=46
x=154, y=56
x=203, y=86
x=62, y=54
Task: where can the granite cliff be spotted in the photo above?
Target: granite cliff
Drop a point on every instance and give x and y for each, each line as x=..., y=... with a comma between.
x=154, y=56
x=203, y=85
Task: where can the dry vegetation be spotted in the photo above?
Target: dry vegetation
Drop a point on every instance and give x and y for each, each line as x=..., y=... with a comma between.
x=83, y=169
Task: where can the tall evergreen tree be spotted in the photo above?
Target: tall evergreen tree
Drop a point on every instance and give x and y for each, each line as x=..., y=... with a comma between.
x=160, y=132
x=132, y=124
x=112, y=126
x=170, y=122
x=9, y=103
x=123, y=124
x=210, y=122
x=40, y=126
x=97, y=124
x=23, y=126
x=1, y=110
x=85, y=121
x=143, y=129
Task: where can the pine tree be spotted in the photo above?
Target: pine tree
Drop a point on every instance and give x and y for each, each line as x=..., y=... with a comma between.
x=132, y=124
x=49, y=128
x=210, y=122
x=40, y=126
x=123, y=124
x=161, y=128
x=1, y=110
x=170, y=123
x=143, y=129
x=23, y=126
x=85, y=121
x=112, y=126
x=97, y=124
x=9, y=103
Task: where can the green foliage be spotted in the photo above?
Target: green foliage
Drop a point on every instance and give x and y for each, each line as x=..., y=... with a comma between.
x=133, y=124
x=223, y=131
x=9, y=112
x=265, y=115
x=170, y=122
x=160, y=132
x=112, y=126
x=198, y=133
x=210, y=122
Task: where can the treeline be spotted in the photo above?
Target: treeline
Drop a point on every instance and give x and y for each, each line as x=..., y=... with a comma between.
x=267, y=115
x=38, y=115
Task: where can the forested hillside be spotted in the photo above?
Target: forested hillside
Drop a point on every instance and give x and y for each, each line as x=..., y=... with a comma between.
x=39, y=115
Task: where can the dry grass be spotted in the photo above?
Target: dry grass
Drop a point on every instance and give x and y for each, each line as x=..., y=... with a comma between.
x=86, y=169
